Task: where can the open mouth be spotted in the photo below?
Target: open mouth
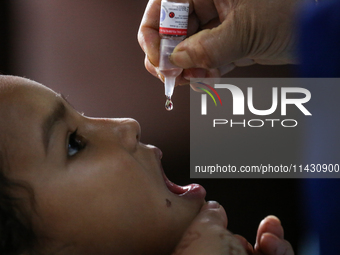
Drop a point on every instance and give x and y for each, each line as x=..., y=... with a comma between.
x=174, y=188
x=191, y=190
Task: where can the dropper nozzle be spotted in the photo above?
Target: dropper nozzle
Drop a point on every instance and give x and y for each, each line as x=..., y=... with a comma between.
x=169, y=70
x=169, y=85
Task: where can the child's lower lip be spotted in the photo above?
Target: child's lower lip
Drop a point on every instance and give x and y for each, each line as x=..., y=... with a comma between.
x=191, y=190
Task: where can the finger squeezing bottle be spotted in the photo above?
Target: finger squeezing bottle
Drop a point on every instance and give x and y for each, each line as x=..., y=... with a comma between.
x=172, y=29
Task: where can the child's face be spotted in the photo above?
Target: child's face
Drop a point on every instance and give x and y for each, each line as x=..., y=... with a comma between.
x=98, y=189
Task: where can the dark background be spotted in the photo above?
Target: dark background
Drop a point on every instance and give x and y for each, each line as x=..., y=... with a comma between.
x=88, y=51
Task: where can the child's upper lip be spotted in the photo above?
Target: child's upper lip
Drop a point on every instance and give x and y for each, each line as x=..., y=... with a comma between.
x=158, y=152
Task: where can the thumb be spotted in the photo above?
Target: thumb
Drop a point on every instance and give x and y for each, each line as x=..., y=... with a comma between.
x=273, y=245
x=211, y=214
x=210, y=48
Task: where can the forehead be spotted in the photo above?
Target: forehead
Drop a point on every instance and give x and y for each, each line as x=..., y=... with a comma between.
x=23, y=106
x=23, y=98
x=17, y=90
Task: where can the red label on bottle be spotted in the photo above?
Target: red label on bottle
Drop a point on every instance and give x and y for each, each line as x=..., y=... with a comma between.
x=172, y=31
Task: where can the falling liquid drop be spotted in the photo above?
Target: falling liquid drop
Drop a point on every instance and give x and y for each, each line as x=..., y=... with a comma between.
x=168, y=104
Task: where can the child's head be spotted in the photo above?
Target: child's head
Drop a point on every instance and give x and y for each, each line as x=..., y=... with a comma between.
x=85, y=185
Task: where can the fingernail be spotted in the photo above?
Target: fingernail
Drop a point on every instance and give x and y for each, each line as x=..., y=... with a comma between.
x=226, y=69
x=277, y=220
x=212, y=205
x=160, y=76
x=150, y=61
x=182, y=59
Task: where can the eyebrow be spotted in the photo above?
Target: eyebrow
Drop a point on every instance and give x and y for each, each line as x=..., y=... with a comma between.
x=50, y=121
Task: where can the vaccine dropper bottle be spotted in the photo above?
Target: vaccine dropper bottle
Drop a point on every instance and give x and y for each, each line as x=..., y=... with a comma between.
x=172, y=29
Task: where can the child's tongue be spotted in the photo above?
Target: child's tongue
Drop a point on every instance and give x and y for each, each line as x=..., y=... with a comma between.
x=174, y=188
x=179, y=190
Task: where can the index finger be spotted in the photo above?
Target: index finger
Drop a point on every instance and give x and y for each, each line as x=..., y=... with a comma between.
x=148, y=36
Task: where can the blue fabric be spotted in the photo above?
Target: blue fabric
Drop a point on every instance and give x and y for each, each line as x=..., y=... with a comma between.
x=319, y=49
x=320, y=40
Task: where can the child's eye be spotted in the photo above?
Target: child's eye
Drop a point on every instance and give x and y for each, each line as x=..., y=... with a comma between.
x=75, y=144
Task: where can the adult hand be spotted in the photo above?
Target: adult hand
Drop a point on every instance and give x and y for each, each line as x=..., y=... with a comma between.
x=224, y=34
x=207, y=235
x=270, y=238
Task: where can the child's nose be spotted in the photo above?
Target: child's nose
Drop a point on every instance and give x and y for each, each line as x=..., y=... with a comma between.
x=129, y=132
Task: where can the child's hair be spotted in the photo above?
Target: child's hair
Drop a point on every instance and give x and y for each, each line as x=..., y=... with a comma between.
x=16, y=233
